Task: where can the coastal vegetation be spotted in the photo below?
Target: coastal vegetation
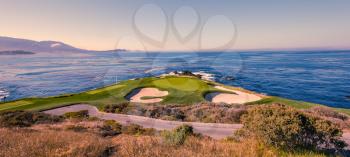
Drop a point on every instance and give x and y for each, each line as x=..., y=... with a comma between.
x=201, y=112
x=288, y=129
x=26, y=118
x=108, y=138
x=178, y=136
x=77, y=115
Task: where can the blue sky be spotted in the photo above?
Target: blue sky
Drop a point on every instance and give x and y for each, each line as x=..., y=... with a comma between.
x=104, y=24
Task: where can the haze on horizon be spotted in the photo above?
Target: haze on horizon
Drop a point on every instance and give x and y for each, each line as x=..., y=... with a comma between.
x=100, y=25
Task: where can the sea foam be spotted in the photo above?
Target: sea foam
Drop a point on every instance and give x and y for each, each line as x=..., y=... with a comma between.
x=4, y=93
x=203, y=75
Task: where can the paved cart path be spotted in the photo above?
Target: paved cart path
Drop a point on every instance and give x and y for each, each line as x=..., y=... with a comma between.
x=214, y=130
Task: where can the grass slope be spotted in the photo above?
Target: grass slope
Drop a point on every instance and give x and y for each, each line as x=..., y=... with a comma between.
x=182, y=90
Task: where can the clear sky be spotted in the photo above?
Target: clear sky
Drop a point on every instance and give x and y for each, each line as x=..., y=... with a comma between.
x=108, y=24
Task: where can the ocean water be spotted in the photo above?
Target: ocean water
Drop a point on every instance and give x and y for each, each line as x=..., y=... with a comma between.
x=319, y=77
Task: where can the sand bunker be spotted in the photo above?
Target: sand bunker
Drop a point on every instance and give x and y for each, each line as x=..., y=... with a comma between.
x=239, y=97
x=140, y=95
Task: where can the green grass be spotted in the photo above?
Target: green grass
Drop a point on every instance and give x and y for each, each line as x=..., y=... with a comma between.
x=294, y=103
x=182, y=90
x=150, y=97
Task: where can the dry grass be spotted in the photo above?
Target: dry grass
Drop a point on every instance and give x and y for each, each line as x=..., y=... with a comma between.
x=130, y=146
x=54, y=140
x=31, y=143
x=154, y=147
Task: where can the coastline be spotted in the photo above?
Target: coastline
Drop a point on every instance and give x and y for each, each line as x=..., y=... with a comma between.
x=124, y=87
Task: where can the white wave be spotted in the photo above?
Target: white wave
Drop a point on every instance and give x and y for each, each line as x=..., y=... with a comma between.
x=204, y=75
x=3, y=94
x=154, y=69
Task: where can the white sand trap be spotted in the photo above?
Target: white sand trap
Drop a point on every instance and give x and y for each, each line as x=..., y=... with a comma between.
x=239, y=97
x=137, y=95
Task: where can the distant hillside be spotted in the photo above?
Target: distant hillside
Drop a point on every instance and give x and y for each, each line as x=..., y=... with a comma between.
x=16, y=52
x=14, y=44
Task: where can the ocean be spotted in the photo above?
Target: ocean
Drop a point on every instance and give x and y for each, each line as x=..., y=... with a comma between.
x=314, y=76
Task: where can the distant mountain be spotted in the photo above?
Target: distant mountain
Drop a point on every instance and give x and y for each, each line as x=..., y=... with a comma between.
x=16, y=52
x=15, y=44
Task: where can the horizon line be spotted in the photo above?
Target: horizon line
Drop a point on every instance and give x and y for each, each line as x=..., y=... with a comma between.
x=204, y=50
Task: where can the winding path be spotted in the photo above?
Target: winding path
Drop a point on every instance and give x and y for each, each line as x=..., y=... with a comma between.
x=214, y=130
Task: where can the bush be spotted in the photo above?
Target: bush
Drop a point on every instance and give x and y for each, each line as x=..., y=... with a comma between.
x=116, y=108
x=234, y=115
x=186, y=129
x=83, y=114
x=26, y=118
x=179, y=115
x=76, y=128
x=178, y=135
x=93, y=118
x=327, y=112
x=110, y=128
x=286, y=128
x=134, y=129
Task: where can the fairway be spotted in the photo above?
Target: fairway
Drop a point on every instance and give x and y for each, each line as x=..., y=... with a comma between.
x=181, y=84
x=182, y=90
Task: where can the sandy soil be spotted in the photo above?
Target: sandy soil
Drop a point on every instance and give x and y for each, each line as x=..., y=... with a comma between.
x=238, y=98
x=137, y=94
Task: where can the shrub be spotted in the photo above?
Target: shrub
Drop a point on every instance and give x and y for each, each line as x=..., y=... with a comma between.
x=178, y=136
x=26, y=118
x=234, y=115
x=327, y=112
x=186, y=129
x=76, y=128
x=148, y=131
x=110, y=128
x=83, y=114
x=116, y=108
x=179, y=115
x=93, y=118
x=286, y=128
x=134, y=129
